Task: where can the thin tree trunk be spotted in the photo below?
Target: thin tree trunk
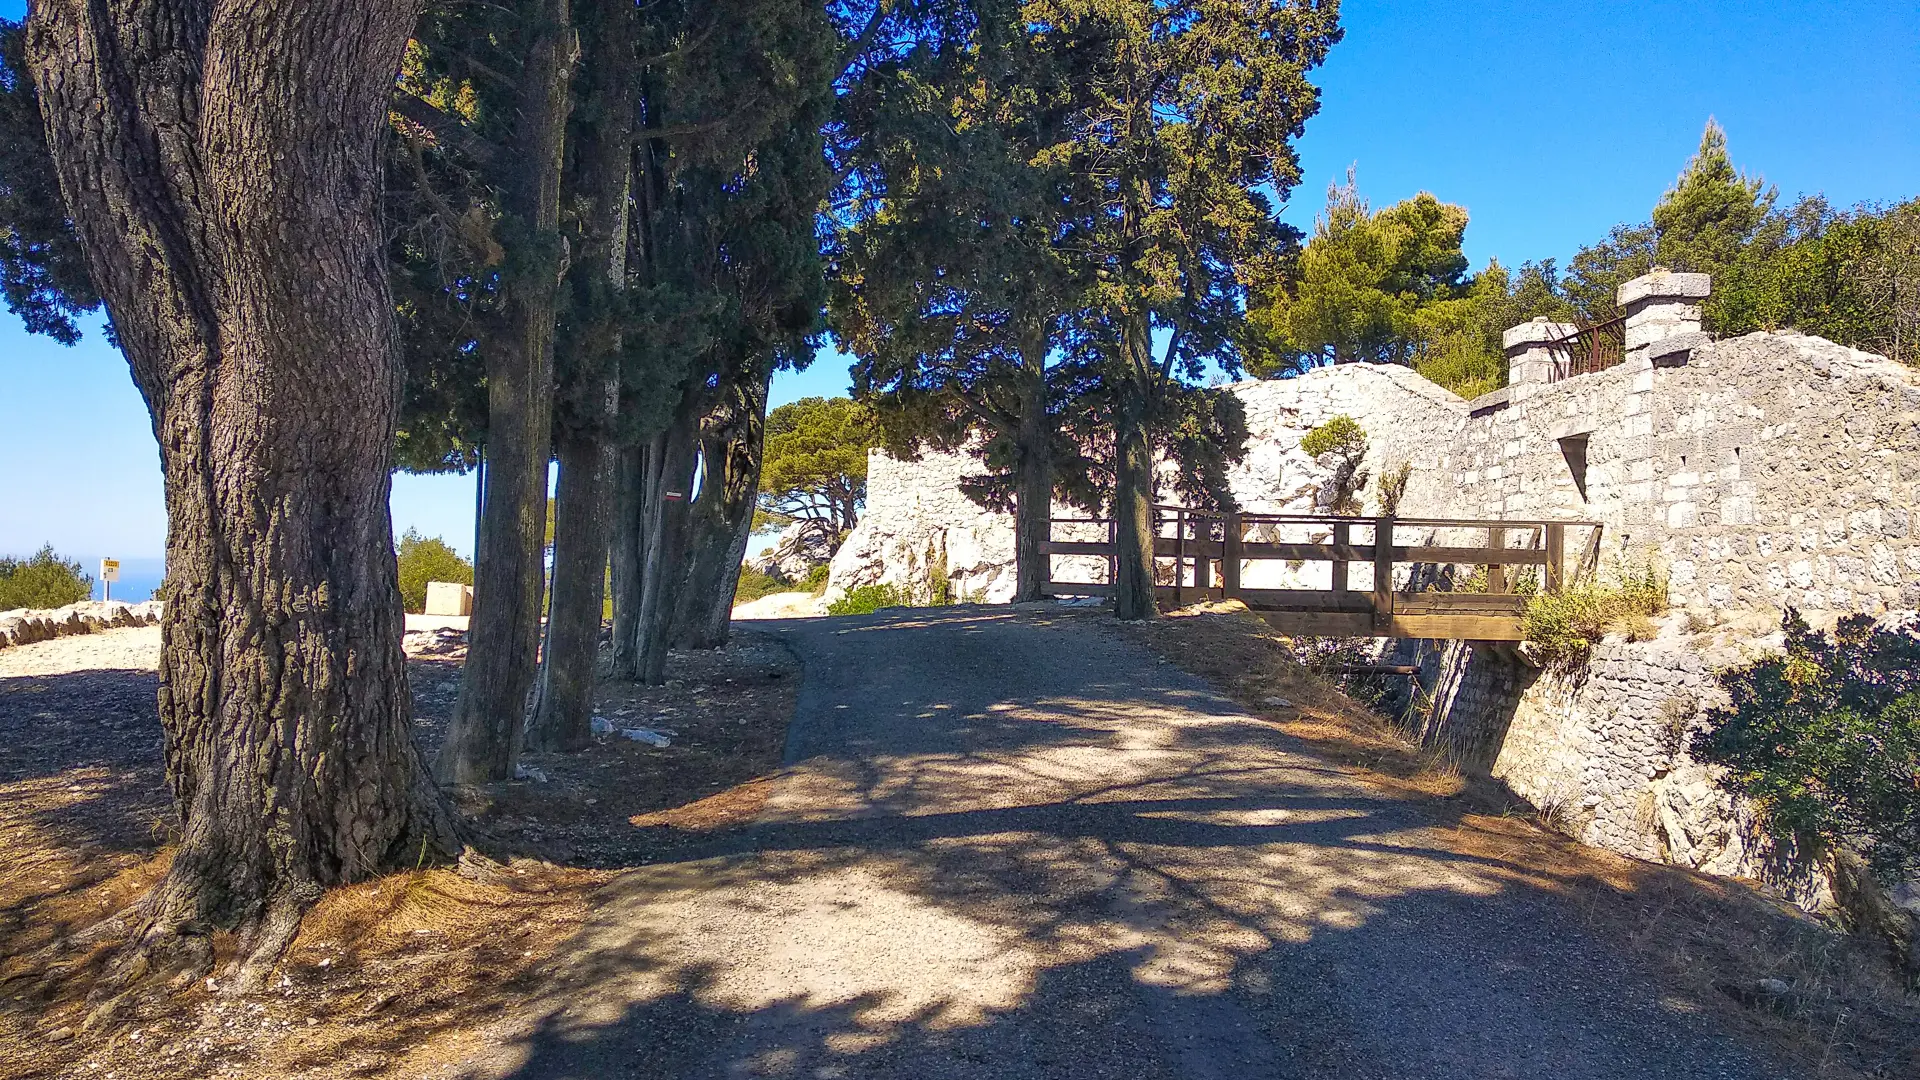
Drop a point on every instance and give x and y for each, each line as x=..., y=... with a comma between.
x=484, y=733
x=1034, y=469
x=627, y=558
x=723, y=519
x=563, y=711
x=1133, y=521
x=221, y=161
x=1133, y=595
x=666, y=518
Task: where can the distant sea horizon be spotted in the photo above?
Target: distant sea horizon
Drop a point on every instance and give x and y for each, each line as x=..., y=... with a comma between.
x=139, y=577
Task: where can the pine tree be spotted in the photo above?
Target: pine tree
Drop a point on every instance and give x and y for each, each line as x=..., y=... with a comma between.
x=1711, y=212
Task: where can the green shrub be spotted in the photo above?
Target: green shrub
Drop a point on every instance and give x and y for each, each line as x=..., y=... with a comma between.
x=43, y=581
x=1825, y=739
x=1341, y=435
x=816, y=580
x=1564, y=626
x=424, y=559
x=753, y=585
x=866, y=600
x=1340, y=444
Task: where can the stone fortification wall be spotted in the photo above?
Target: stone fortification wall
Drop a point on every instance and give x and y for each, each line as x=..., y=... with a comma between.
x=1760, y=472
x=1602, y=750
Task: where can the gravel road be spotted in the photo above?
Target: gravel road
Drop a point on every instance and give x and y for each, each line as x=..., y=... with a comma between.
x=1010, y=845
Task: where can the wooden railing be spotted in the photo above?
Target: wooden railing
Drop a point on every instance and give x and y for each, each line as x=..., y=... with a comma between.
x=1204, y=554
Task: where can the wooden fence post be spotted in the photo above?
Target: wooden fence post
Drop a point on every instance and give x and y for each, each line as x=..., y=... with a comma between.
x=1497, y=572
x=1556, y=557
x=1202, y=566
x=1230, y=558
x=1179, y=555
x=1382, y=573
x=1342, y=536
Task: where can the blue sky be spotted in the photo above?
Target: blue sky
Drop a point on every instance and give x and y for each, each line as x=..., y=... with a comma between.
x=1549, y=122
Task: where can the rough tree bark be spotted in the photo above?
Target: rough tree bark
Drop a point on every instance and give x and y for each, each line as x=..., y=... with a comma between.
x=626, y=557
x=723, y=517
x=221, y=160
x=670, y=477
x=582, y=527
x=1033, y=509
x=562, y=716
x=484, y=733
x=1133, y=481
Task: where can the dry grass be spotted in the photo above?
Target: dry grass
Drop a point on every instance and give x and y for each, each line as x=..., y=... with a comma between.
x=1710, y=942
x=398, y=976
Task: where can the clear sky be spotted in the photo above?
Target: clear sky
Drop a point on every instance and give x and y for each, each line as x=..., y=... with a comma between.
x=1550, y=122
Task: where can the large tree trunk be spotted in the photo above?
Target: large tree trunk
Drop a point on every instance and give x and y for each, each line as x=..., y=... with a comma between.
x=627, y=559
x=723, y=518
x=484, y=733
x=1033, y=468
x=563, y=711
x=222, y=163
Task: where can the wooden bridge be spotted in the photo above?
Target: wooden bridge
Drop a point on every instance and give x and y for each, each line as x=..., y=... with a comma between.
x=1200, y=556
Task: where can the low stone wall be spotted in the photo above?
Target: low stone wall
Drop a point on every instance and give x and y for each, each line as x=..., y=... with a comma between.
x=24, y=626
x=1602, y=750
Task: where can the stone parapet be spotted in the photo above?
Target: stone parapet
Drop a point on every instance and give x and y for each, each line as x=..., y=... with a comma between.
x=1662, y=305
x=1530, y=353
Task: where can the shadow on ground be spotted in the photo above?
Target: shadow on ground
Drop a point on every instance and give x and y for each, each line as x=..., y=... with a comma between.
x=1010, y=847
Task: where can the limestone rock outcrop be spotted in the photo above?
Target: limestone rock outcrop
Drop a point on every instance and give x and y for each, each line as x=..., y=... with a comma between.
x=799, y=548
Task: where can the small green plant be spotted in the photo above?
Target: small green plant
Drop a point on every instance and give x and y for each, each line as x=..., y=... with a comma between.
x=1564, y=626
x=1340, y=435
x=1341, y=444
x=1393, y=487
x=424, y=559
x=44, y=580
x=867, y=599
x=1825, y=739
x=816, y=580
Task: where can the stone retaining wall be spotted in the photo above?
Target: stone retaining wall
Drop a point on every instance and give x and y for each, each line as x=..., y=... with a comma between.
x=24, y=626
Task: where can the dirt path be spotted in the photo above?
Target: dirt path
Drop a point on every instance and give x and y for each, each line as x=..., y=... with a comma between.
x=1010, y=845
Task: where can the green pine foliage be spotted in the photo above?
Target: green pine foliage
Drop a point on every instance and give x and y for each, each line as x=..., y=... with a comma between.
x=424, y=559
x=42, y=580
x=1391, y=286
x=1825, y=738
x=1711, y=213
x=816, y=461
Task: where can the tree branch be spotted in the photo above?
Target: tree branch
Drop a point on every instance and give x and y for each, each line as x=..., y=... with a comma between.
x=857, y=48
x=448, y=130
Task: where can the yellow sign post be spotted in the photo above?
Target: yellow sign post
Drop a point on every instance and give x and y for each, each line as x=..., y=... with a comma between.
x=109, y=573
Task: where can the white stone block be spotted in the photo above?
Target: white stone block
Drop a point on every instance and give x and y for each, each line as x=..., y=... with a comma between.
x=449, y=598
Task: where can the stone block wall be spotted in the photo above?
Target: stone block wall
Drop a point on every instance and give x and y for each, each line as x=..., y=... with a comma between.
x=1759, y=472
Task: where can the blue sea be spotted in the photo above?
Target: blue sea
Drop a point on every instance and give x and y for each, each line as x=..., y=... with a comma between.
x=138, y=577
